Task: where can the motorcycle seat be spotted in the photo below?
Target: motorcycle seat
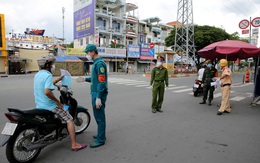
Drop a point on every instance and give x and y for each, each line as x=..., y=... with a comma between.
x=35, y=111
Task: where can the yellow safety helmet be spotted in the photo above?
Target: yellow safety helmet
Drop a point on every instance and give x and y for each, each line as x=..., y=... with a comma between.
x=223, y=63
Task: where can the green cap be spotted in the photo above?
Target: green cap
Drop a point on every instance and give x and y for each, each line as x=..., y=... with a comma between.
x=90, y=47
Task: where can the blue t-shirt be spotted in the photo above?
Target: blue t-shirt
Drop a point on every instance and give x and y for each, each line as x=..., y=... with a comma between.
x=42, y=81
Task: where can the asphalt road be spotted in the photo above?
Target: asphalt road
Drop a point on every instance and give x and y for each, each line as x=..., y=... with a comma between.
x=186, y=132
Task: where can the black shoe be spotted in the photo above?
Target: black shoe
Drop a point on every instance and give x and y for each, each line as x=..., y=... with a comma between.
x=203, y=102
x=226, y=111
x=159, y=110
x=209, y=103
x=219, y=113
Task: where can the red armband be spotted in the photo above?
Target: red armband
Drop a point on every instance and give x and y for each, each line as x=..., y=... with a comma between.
x=101, y=78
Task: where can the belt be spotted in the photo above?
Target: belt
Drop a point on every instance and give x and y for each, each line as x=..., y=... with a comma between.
x=223, y=85
x=159, y=80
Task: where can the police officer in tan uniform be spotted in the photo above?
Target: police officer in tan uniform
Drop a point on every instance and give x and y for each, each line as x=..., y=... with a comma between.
x=159, y=79
x=226, y=82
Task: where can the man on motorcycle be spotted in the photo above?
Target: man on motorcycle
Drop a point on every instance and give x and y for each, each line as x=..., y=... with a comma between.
x=45, y=99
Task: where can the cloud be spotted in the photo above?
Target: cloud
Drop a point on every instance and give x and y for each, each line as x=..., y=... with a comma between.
x=47, y=14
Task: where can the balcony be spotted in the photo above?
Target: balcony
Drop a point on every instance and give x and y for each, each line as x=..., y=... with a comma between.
x=156, y=30
x=131, y=33
x=131, y=19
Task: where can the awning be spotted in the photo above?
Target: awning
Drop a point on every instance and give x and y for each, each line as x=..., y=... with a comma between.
x=19, y=59
x=118, y=60
x=145, y=61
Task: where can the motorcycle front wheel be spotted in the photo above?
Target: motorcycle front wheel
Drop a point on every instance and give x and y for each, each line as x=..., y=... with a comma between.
x=81, y=121
x=15, y=149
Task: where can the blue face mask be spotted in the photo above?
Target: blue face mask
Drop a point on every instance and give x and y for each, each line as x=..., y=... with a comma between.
x=209, y=65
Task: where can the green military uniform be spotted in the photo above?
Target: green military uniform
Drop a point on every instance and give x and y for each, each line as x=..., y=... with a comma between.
x=208, y=75
x=159, y=78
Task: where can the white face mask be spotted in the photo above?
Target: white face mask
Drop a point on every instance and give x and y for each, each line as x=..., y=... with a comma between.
x=52, y=68
x=158, y=64
x=89, y=58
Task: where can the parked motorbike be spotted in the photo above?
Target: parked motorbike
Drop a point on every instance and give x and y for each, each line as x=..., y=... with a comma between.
x=197, y=88
x=29, y=131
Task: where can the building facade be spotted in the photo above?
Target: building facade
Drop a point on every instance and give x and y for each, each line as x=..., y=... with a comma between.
x=122, y=39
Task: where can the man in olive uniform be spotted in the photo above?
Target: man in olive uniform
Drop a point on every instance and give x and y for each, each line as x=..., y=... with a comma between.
x=99, y=92
x=208, y=75
x=226, y=81
x=159, y=79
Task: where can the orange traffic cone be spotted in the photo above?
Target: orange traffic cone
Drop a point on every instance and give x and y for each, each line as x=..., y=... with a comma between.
x=247, y=76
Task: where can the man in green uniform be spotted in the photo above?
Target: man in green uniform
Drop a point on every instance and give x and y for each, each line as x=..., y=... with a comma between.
x=208, y=76
x=159, y=78
x=99, y=92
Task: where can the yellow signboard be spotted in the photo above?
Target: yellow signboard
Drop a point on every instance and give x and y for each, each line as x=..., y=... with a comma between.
x=75, y=52
x=2, y=35
x=170, y=66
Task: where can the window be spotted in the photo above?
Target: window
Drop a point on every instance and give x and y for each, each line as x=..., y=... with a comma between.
x=81, y=42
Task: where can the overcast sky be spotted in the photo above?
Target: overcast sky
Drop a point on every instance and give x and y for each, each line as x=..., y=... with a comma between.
x=47, y=14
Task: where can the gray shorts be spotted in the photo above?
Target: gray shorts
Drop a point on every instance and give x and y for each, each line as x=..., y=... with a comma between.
x=63, y=114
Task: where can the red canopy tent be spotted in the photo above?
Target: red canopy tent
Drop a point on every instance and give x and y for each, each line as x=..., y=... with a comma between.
x=230, y=50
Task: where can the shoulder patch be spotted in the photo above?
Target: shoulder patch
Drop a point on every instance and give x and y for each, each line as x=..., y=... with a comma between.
x=102, y=70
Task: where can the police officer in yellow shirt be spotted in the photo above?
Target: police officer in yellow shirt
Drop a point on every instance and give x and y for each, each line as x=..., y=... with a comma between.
x=226, y=82
x=159, y=79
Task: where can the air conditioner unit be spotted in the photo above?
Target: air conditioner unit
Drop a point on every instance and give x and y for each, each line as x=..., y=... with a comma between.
x=113, y=14
x=97, y=10
x=109, y=13
x=97, y=28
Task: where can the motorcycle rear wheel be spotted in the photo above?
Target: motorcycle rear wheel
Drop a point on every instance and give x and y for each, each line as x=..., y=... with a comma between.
x=15, y=149
x=195, y=93
x=81, y=121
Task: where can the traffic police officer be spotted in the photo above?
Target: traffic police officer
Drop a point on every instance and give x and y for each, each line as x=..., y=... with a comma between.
x=99, y=92
x=159, y=79
x=226, y=82
x=208, y=76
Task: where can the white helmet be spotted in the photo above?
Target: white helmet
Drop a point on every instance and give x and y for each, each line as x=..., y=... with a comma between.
x=46, y=61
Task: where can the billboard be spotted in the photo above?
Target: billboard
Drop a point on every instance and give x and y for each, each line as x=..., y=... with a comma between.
x=84, y=18
x=133, y=51
x=146, y=52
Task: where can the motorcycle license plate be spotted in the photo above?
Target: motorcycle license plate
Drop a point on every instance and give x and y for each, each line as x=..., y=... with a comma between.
x=196, y=86
x=9, y=128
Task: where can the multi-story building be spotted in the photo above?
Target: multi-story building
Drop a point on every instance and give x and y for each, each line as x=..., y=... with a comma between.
x=122, y=39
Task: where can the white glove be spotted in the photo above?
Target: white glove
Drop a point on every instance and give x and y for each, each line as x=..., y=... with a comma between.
x=166, y=89
x=202, y=85
x=98, y=103
x=218, y=81
x=80, y=80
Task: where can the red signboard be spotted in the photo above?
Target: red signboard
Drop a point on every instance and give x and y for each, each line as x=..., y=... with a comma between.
x=245, y=31
x=151, y=45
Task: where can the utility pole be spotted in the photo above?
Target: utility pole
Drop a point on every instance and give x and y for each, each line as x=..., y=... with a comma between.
x=184, y=33
x=63, y=11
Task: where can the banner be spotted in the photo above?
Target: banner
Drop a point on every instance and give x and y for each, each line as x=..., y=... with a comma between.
x=38, y=32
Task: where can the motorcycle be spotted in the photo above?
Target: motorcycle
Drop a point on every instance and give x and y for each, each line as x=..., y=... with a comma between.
x=197, y=88
x=29, y=131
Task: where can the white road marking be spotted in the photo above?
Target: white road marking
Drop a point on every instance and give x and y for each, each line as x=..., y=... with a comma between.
x=183, y=90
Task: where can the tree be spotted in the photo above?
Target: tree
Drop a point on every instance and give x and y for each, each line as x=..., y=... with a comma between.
x=203, y=36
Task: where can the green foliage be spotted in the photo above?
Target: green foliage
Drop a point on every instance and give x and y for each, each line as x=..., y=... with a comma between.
x=113, y=45
x=203, y=36
x=71, y=45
